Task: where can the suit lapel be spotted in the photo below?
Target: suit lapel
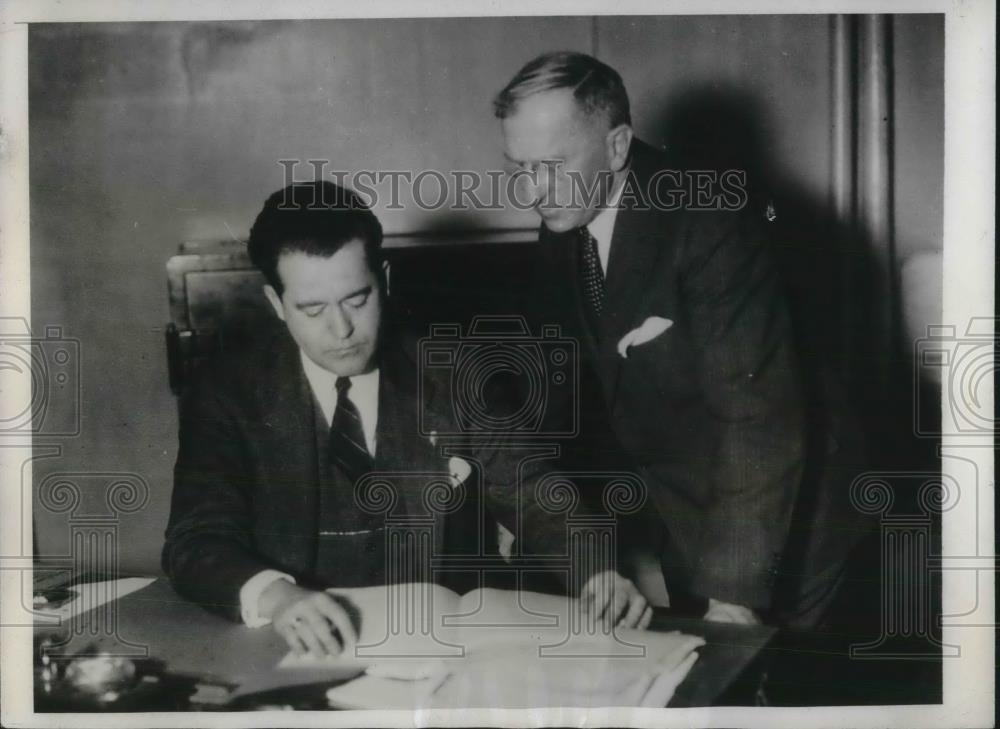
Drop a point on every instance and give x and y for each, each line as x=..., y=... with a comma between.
x=401, y=448
x=634, y=251
x=288, y=440
x=636, y=244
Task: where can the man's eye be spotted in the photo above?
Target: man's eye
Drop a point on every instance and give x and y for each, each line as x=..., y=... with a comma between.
x=313, y=311
x=357, y=301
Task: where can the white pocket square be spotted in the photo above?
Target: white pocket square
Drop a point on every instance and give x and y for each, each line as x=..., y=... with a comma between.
x=653, y=327
x=459, y=470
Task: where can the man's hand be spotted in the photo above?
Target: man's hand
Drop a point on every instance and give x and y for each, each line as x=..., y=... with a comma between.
x=309, y=621
x=615, y=601
x=724, y=612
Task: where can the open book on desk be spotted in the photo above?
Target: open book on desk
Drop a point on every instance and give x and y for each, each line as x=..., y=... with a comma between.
x=422, y=645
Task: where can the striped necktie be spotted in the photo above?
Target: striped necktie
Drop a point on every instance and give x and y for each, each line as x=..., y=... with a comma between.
x=593, y=274
x=347, y=437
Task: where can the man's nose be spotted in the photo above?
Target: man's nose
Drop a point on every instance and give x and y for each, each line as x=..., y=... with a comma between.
x=528, y=189
x=340, y=323
x=535, y=188
x=543, y=185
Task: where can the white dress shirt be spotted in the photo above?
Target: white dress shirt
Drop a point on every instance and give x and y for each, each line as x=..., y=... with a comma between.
x=602, y=227
x=363, y=393
x=323, y=383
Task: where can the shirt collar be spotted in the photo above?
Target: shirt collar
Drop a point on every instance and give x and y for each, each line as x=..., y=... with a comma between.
x=603, y=223
x=363, y=392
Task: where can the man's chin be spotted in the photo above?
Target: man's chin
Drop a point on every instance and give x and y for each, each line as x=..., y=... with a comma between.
x=559, y=224
x=351, y=366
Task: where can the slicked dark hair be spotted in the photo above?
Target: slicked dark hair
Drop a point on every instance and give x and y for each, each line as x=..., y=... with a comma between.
x=596, y=86
x=318, y=219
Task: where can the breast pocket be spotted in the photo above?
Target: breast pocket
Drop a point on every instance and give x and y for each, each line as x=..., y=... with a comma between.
x=663, y=363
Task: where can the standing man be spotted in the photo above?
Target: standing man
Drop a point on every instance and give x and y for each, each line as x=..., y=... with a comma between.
x=274, y=443
x=684, y=336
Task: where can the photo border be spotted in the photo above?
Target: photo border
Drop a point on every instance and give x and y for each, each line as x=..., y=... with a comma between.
x=969, y=255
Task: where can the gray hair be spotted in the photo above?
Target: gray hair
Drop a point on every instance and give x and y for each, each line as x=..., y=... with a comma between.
x=595, y=85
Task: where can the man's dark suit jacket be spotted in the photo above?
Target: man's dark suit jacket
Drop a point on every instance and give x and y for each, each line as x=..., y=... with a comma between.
x=247, y=493
x=710, y=412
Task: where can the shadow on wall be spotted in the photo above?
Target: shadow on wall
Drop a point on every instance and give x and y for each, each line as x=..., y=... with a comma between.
x=838, y=298
x=857, y=365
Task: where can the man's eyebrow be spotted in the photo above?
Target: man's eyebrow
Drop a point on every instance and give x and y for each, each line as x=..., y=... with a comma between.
x=366, y=290
x=551, y=160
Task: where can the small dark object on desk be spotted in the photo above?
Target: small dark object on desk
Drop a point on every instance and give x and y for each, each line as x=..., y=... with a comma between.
x=106, y=683
x=53, y=598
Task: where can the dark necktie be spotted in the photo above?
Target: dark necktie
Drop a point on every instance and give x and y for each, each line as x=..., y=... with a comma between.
x=593, y=275
x=347, y=437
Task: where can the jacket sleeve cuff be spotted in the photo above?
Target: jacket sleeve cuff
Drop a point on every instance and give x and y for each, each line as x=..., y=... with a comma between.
x=250, y=596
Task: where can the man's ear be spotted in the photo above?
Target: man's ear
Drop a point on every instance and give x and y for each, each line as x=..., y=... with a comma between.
x=275, y=300
x=618, y=142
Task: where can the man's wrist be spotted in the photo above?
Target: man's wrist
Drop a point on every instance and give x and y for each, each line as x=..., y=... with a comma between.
x=277, y=594
x=251, y=607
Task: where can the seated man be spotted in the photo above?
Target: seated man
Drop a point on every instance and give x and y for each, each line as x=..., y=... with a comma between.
x=273, y=443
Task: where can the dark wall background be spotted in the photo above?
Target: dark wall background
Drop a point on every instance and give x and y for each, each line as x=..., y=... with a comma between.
x=147, y=135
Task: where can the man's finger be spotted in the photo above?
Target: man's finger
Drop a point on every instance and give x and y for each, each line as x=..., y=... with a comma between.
x=341, y=621
x=636, y=608
x=593, y=607
x=286, y=631
x=612, y=609
x=321, y=629
x=305, y=633
x=647, y=617
x=619, y=604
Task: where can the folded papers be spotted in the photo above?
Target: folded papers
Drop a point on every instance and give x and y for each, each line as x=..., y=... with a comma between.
x=515, y=676
x=423, y=646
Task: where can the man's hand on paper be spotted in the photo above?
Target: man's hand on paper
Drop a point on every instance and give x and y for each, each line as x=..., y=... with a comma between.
x=309, y=621
x=724, y=612
x=609, y=597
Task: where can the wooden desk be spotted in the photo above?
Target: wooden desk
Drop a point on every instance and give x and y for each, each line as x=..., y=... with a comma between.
x=730, y=665
x=157, y=623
